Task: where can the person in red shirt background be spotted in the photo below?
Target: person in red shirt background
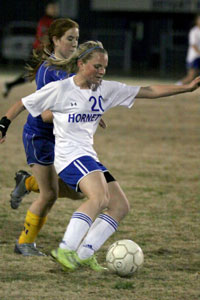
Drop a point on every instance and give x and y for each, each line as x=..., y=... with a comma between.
x=51, y=13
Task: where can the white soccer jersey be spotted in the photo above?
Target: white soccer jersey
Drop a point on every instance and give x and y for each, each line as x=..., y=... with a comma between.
x=194, y=39
x=77, y=113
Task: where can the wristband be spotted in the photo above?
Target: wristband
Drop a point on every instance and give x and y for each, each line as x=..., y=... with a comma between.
x=4, y=124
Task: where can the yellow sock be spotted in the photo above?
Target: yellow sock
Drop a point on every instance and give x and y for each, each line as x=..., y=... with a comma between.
x=31, y=184
x=32, y=226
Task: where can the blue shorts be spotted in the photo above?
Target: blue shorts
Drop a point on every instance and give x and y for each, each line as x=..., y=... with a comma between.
x=38, y=149
x=81, y=167
x=195, y=64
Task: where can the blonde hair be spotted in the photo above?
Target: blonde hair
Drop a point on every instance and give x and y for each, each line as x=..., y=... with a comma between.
x=84, y=52
x=57, y=29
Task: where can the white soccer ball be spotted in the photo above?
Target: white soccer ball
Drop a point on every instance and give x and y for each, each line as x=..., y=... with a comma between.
x=124, y=257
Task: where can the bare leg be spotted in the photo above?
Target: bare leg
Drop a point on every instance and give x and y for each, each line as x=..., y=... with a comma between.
x=36, y=215
x=95, y=187
x=48, y=185
x=118, y=206
x=106, y=223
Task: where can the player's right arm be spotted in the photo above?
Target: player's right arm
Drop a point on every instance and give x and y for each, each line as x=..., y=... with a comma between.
x=36, y=103
x=11, y=114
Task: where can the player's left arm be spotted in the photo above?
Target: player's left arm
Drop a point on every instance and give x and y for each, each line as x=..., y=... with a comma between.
x=158, y=91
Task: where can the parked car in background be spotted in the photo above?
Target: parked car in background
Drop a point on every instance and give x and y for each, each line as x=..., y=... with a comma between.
x=17, y=40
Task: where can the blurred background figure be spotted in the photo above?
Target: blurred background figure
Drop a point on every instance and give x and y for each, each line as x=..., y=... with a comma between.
x=150, y=44
x=193, y=53
x=50, y=14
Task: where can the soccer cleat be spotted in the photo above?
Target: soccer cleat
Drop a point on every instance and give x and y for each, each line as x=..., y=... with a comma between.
x=92, y=263
x=28, y=249
x=66, y=258
x=6, y=90
x=20, y=189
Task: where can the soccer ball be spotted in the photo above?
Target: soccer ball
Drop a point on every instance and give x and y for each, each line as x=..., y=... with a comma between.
x=124, y=257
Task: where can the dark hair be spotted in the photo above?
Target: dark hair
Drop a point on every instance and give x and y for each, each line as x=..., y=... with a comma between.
x=57, y=29
x=84, y=52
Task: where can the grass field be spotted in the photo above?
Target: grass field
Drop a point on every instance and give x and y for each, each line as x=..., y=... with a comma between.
x=153, y=150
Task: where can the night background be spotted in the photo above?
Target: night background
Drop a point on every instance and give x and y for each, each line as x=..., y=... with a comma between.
x=141, y=38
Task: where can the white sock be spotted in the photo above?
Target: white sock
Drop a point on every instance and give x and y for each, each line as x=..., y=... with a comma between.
x=102, y=228
x=76, y=230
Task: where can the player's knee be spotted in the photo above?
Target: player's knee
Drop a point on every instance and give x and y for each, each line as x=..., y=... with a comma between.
x=103, y=200
x=123, y=207
x=50, y=196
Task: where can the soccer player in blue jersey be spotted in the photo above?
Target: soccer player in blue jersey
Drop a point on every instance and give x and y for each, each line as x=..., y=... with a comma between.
x=77, y=104
x=39, y=140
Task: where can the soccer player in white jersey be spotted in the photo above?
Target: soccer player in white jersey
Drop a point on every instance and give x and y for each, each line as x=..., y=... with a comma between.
x=77, y=104
x=193, y=53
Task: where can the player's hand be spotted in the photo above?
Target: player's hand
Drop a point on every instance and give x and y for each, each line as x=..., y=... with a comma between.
x=102, y=124
x=195, y=84
x=4, y=124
